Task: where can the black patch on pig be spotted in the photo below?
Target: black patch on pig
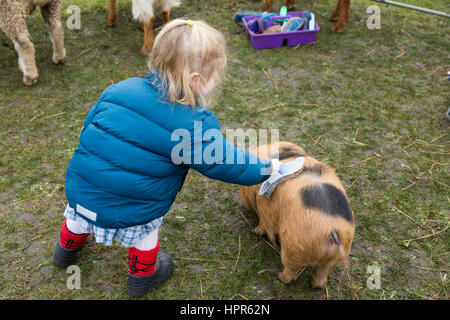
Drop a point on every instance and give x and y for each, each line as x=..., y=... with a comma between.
x=328, y=199
x=287, y=152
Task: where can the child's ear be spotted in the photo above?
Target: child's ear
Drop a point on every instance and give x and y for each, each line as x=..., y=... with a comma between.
x=193, y=77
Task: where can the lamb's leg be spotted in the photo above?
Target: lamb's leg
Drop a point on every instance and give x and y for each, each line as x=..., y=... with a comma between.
x=16, y=30
x=112, y=16
x=267, y=6
x=51, y=14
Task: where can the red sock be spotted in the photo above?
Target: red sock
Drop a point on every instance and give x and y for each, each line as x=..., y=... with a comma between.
x=70, y=240
x=142, y=262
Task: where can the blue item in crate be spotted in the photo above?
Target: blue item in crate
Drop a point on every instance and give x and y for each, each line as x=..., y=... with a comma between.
x=241, y=14
x=268, y=15
x=307, y=17
x=294, y=23
x=258, y=25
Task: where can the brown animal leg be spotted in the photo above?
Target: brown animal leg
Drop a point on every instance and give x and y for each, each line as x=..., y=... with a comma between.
x=290, y=4
x=289, y=272
x=288, y=275
x=347, y=10
x=343, y=16
x=112, y=17
x=165, y=17
x=166, y=6
x=51, y=15
x=260, y=230
x=267, y=6
x=335, y=14
x=148, y=37
x=321, y=275
x=246, y=193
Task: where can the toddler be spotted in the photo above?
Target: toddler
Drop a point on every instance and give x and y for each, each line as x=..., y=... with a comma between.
x=125, y=175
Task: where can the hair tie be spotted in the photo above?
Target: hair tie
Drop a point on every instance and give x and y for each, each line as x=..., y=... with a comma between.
x=190, y=23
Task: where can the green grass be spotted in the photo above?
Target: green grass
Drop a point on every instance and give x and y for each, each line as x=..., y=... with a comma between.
x=370, y=103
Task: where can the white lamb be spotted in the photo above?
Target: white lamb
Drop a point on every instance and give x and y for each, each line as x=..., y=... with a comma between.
x=13, y=16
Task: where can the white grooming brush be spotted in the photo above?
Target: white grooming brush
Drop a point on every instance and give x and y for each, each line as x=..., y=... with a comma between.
x=287, y=171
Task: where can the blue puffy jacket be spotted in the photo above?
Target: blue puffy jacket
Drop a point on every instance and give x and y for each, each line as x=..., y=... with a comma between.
x=122, y=173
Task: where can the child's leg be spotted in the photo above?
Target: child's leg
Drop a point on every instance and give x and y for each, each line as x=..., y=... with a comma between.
x=142, y=257
x=148, y=267
x=149, y=242
x=73, y=226
x=71, y=240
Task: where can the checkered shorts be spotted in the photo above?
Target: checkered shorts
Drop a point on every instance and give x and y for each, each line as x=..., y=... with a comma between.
x=125, y=236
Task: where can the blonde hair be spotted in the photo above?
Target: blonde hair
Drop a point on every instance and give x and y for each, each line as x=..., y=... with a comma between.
x=183, y=47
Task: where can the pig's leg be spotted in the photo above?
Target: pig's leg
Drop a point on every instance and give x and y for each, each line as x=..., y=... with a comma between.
x=289, y=271
x=321, y=275
x=260, y=230
x=247, y=194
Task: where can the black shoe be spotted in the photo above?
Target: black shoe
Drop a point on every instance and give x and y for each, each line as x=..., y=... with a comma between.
x=139, y=286
x=64, y=257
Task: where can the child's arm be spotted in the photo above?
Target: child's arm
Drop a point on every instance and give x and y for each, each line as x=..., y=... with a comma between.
x=228, y=163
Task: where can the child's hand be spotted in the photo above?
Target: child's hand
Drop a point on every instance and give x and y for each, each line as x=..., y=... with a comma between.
x=276, y=165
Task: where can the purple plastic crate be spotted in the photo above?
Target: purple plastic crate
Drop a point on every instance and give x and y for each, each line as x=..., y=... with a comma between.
x=273, y=40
